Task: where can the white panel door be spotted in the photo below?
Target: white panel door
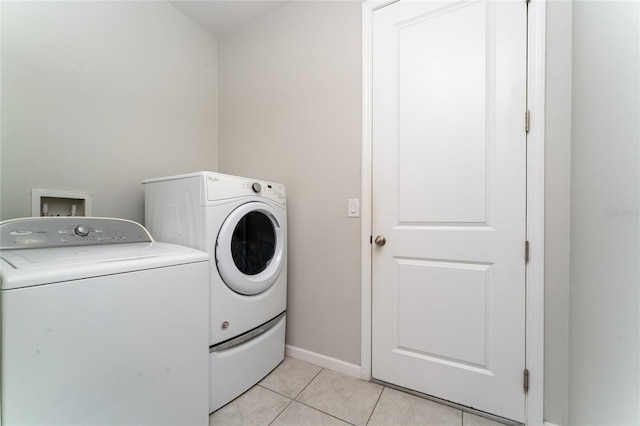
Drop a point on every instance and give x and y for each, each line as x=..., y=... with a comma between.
x=449, y=193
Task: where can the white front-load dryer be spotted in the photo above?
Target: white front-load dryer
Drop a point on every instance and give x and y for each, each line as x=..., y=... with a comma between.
x=242, y=224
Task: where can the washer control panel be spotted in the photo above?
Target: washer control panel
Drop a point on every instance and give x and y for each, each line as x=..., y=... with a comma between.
x=69, y=231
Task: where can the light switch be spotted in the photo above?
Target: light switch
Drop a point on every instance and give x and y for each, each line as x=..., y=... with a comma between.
x=354, y=207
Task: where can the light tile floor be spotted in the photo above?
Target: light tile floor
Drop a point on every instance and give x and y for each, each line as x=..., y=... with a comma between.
x=298, y=393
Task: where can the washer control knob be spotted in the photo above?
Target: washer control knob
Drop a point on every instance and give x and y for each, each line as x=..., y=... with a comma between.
x=81, y=230
x=256, y=187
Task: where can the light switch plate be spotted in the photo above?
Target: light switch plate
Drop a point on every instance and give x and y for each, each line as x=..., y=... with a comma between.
x=353, y=209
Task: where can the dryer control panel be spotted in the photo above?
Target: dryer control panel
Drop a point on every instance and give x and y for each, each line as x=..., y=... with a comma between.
x=41, y=232
x=220, y=187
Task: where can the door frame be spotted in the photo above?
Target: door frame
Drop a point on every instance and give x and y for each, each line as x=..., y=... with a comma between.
x=534, y=339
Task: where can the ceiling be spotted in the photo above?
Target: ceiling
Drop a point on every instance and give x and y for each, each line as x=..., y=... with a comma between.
x=222, y=17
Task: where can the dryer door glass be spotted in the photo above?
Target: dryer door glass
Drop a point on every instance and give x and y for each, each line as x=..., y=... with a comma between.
x=253, y=243
x=251, y=248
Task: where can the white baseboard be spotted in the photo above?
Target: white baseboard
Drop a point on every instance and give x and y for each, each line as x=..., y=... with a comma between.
x=323, y=361
x=546, y=423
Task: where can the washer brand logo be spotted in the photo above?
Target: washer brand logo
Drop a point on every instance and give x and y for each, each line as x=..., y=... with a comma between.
x=20, y=232
x=213, y=179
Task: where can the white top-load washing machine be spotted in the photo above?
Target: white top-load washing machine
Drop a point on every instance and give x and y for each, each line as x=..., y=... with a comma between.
x=242, y=224
x=101, y=325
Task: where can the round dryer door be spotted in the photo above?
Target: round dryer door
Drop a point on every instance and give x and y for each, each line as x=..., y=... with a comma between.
x=250, y=247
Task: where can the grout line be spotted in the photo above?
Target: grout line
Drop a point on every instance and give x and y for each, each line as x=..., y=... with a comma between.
x=282, y=411
x=307, y=385
x=269, y=389
x=324, y=412
x=317, y=409
x=375, y=405
x=277, y=393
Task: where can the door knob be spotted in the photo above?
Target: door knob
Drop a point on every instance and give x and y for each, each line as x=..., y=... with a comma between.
x=380, y=240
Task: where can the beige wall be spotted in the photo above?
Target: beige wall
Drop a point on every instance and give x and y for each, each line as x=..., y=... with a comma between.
x=604, y=347
x=290, y=112
x=592, y=236
x=557, y=211
x=99, y=95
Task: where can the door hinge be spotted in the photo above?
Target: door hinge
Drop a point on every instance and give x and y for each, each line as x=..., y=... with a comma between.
x=527, y=121
x=526, y=251
x=526, y=380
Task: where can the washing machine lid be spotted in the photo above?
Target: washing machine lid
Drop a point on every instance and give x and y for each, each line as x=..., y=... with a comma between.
x=31, y=267
x=35, y=252
x=251, y=248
